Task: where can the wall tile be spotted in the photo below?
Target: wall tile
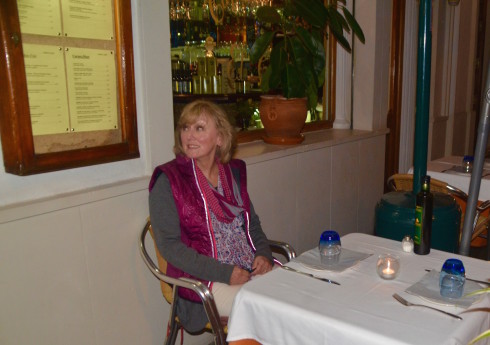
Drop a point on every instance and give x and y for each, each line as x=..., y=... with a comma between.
x=313, y=207
x=44, y=281
x=273, y=193
x=370, y=181
x=345, y=188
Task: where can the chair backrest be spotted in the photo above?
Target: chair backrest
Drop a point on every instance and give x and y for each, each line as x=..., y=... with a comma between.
x=167, y=290
x=404, y=182
x=170, y=287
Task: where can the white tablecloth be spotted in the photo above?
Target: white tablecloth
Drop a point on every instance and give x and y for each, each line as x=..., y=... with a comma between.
x=440, y=169
x=284, y=307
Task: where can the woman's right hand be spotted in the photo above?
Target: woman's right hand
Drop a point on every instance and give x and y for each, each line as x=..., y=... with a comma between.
x=239, y=276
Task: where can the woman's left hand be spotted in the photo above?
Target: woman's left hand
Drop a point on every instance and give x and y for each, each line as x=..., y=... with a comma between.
x=261, y=265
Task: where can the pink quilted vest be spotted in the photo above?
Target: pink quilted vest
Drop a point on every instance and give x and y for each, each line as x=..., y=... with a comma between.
x=195, y=223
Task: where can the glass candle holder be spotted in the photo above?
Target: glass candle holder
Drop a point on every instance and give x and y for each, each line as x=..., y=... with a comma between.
x=452, y=278
x=388, y=266
x=329, y=244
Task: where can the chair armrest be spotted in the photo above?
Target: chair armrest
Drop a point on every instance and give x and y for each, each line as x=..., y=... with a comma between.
x=282, y=248
x=457, y=192
x=480, y=227
x=199, y=288
x=390, y=183
x=483, y=206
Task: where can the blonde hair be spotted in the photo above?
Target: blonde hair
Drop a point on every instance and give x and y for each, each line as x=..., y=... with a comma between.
x=192, y=112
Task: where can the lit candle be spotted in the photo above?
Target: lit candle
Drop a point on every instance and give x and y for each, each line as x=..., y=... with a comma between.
x=388, y=271
x=387, y=266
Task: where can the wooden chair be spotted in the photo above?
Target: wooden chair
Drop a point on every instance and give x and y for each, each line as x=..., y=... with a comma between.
x=170, y=286
x=404, y=182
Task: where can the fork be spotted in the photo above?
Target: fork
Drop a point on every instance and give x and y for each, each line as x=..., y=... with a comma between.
x=287, y=268
x=409, y=304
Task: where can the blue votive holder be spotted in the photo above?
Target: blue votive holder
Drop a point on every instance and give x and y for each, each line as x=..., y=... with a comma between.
x=452, y=278
x=329, y=245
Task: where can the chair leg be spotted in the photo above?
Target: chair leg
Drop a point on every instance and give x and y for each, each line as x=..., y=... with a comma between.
x=488, y=245
x=220, y=339
x=172, y=331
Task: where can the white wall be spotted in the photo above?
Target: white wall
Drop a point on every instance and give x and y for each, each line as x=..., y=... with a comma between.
x=154, y=117
x=70, y=270
x=326, y=185
x=371, y=65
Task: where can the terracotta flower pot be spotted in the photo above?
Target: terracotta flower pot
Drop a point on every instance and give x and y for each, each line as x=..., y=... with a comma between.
x=283, y=119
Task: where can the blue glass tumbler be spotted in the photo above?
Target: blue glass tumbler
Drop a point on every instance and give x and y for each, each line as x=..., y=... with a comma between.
x=452, y=278
x=329, y=244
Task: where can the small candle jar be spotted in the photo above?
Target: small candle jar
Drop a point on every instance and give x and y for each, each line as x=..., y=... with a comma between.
x=407, y=244
x=388, y=266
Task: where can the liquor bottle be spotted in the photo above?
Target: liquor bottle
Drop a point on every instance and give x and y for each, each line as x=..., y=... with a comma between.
x=196, y=80
x=180, y=81
x=423, y=218
x=218, y=80
x=188, y=81
x=175, y=83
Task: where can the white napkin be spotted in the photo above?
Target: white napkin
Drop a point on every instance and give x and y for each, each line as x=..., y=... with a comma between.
x=348, y=258
x=428, y=288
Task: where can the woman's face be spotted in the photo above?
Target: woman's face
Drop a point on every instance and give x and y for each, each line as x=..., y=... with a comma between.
x=200, y=139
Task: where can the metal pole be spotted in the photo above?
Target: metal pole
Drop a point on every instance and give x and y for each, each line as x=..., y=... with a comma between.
x=479, y=159
x=423, y=94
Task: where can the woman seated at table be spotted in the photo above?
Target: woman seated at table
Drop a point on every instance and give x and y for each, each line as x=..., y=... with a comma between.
x=204, y=223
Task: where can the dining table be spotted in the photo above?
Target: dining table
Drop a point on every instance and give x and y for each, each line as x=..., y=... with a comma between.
x=287, y=307
x=449, y=169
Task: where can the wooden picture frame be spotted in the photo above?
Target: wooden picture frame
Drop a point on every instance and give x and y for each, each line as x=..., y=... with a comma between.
x=20, y=155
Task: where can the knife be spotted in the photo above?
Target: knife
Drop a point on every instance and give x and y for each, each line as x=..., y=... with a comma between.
x=287, y=268
x=473, y=280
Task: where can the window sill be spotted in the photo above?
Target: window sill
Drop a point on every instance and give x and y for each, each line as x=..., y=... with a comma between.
x=259, y=151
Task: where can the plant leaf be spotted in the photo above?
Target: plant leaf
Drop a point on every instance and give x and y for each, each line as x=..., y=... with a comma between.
x=312, y=95
x=265, y=82
x=307, y=80
x=356, y=28
x=337, y=23
x=268, y=14
x=333, y=22
x=260, y=46
x=339, y=18
x=291, y=82
x=312, y=11
x=315, y=48
x=479, y=292
x=480, y=337
x=278, y=63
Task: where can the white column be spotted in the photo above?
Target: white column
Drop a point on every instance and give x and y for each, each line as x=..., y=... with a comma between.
x=409, y=87
x=343, y=80
x=343, y=89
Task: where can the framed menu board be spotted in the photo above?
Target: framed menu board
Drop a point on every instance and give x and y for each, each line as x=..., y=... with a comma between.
x=67, y=95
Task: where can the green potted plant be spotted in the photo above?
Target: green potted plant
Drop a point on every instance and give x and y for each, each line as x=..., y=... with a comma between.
x=293, y=38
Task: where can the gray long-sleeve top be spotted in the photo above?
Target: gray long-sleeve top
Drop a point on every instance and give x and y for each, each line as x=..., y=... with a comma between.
x=166, y=227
